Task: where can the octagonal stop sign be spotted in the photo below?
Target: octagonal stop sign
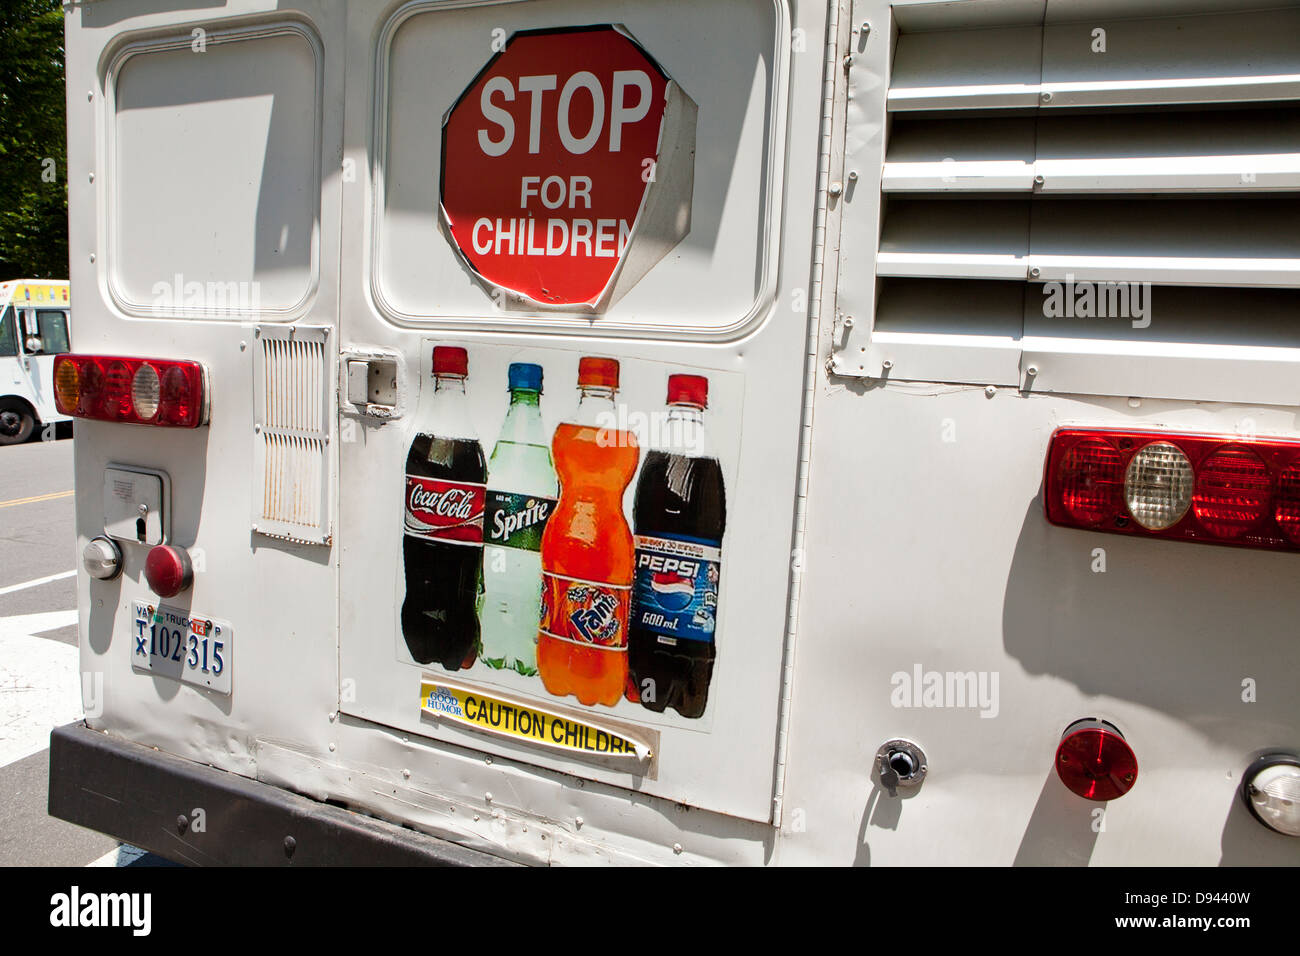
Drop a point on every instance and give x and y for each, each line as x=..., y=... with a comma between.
x=568, y=167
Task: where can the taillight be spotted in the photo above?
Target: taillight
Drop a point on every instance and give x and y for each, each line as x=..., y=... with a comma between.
x=1213, y=489
x=136, y=390
x=1095, y=761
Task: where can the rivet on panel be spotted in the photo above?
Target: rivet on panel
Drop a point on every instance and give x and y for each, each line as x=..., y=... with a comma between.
x=677, y=848
x=331, y=748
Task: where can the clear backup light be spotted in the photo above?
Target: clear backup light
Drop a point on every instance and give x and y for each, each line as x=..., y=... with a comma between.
x=1272, y=791
x=145, y=392
x=1158, y=486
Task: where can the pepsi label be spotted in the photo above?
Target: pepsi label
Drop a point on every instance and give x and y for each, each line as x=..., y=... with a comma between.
x=675, y=594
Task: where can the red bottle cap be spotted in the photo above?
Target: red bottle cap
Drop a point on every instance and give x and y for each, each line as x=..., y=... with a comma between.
x=688, y=390
x=601, y=372
x=450, y=360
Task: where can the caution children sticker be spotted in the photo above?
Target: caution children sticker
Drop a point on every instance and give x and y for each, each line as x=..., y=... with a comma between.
x=504, y=717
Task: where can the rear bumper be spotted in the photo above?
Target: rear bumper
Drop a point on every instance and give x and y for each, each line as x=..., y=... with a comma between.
x=148, y=798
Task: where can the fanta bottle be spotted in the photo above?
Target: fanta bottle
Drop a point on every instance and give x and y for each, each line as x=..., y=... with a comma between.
x=587, y=550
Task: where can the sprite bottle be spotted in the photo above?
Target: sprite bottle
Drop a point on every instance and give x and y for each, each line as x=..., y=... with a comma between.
x=521, y=496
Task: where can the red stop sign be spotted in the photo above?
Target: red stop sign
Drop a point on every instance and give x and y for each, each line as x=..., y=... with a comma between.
x=547, y=160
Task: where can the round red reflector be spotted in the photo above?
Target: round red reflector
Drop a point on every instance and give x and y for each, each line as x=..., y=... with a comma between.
x=1094, y=761
x=168, y=570
x=1232, y=491
x=1092, y=481
x=1286, y=502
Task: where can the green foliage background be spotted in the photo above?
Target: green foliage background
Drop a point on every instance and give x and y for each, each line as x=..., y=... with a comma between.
x=33, y=128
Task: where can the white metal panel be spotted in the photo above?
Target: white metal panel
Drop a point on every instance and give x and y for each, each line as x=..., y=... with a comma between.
x=1232, y=173
x=730, y=58
x=230, y=136
x=1006, y=175
x=418, y=279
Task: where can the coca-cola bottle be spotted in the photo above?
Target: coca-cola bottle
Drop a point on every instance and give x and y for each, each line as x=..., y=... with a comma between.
x=442, y=548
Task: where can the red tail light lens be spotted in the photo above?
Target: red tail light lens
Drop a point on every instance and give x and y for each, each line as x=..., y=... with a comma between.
x=1214, y=489
x=1092, y=482
x=1232, y=491
x=135, y=390
x=1094, y=761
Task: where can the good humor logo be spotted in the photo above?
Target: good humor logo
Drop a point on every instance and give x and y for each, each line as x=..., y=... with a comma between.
x=442, y=701
x=74, y=908
x=1098, y=300
x=949, y=689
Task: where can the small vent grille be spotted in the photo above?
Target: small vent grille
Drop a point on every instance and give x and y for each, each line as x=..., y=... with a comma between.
x=292, y=403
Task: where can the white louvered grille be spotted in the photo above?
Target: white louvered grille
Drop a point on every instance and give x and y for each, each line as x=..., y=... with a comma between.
x=292, y=385
x=1162, y=152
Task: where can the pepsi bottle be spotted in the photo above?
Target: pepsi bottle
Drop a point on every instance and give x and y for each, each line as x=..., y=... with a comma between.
x=679, y=515
x=442, y=547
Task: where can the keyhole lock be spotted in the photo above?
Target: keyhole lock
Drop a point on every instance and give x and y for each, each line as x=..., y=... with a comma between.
x=140, y=523
x=901, y=764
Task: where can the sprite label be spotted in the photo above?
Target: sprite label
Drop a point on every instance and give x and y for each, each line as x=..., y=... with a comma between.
x=517, y=521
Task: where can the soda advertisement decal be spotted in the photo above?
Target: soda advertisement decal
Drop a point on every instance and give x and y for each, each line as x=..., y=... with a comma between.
x=564, y=535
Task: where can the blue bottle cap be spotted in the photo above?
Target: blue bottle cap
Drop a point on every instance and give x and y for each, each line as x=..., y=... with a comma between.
x=526, y=375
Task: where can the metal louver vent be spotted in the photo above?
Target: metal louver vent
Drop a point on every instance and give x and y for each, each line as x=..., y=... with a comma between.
x=1140, y=158
x=291, y=386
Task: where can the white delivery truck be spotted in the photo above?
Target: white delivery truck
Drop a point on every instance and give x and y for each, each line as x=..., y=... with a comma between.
x=745, y=432
x=34, y=327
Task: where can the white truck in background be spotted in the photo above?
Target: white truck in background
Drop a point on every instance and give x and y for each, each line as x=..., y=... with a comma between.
x=997, y=306
x=35, y=326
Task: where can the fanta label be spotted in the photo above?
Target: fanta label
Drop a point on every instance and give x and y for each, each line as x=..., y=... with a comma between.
x=444, y=510
x=585, y=612
x=676, y=587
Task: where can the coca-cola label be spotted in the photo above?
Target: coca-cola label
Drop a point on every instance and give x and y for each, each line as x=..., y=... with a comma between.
x=585, y=612
x=441, y=510
x=517, y=521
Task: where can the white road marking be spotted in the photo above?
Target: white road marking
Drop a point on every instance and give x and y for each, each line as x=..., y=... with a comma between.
x=40, y=683
x=37, y=581
x=124, y=855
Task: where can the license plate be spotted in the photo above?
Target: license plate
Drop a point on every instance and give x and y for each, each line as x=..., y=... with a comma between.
x=184, y=646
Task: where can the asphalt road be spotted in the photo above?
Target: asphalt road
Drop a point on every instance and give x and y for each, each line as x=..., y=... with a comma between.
x=39, y=673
